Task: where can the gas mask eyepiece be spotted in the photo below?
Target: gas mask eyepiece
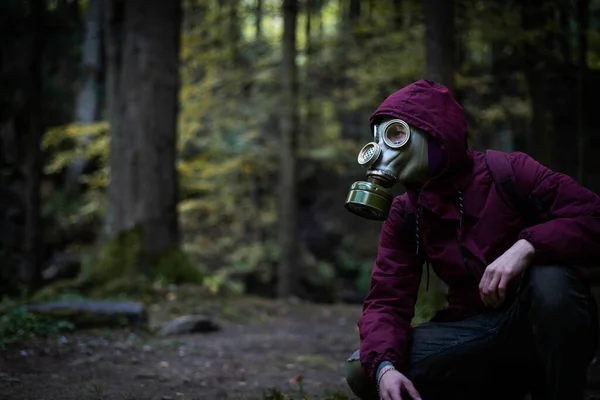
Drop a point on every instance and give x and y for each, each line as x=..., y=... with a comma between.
x=396, y=133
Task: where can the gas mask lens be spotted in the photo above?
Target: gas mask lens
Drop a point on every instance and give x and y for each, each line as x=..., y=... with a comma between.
x=396, y=133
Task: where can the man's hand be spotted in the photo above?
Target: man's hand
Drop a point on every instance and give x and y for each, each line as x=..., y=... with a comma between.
x=393, y=383
x=498, y=274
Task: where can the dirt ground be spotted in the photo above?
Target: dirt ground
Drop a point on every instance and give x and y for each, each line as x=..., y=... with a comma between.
x=261, y=346
x=295, y=347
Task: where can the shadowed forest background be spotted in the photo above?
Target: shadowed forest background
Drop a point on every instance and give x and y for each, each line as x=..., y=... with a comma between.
x=201, y=151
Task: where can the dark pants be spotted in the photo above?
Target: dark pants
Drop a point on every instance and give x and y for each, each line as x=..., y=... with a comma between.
x=541, y=342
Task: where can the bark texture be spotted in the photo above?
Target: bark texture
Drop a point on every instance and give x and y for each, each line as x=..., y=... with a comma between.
x=289, y=125
x=143, y=70
x=440, y=42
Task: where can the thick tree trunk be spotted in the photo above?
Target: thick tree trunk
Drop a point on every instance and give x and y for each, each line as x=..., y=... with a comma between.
x=440, y=66
x=287, y=181
x=440, y=43
x=31, y=126
x=116, y=207
x=87, y=105
x=143, y=69
x=540, y=143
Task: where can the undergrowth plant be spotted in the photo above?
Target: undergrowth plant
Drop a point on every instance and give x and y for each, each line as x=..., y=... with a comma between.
x=18, y=324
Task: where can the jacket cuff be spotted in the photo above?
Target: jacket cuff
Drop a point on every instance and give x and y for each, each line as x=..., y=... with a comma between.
x=372, y=361
x=381, y=365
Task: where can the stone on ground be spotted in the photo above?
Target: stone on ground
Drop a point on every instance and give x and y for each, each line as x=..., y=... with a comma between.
x=189, y=324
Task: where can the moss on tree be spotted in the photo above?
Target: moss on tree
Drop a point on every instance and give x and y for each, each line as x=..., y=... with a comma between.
x=122, y=266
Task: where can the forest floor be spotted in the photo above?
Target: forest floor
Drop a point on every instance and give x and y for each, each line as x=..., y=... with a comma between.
x=265, y=350
x=297, y=348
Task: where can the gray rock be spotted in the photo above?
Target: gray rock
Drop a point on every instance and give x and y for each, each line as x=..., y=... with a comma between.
x=189, y=324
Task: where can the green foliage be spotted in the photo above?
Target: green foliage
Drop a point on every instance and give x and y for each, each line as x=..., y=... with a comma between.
x=229, y=138
x=429, y=300
x=229, y=144
x=278, y=394
x=78, y=140
x=19, y=325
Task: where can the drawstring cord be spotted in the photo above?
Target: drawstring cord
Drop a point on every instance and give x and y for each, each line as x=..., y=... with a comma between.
x=418, y=243
x=428, y=275
x=461, y=208
x=418, y=230
x=461, y=211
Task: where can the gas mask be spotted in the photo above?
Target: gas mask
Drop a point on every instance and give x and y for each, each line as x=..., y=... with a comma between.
x=398, y=153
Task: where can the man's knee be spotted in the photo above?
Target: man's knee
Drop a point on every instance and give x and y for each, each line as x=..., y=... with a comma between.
x=558, y=296
x=357, y=380
x=555, y=288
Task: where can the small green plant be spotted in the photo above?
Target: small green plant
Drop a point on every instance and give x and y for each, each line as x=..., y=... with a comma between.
x=97, y=391
x=277, y=394
x=18, y=325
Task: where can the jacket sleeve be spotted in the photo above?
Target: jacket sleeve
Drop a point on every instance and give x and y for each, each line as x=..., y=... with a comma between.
x=388, y=309
x=570, y=231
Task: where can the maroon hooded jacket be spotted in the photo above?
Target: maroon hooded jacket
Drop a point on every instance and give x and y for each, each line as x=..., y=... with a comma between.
x=459, y=245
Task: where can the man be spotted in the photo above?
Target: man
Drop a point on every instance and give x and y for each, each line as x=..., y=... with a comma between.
x=509, y=245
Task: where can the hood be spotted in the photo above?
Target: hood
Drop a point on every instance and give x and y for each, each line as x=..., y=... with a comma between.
x=431, y=107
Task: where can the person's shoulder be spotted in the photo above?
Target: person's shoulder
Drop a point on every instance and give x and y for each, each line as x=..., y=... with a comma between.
x=400, y=206
x=399, y=202
x=517, y=159
x=520, y=156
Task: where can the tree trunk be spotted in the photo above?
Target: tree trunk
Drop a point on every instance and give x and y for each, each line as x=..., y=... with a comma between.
x=87, y=104
x=582, y=142
x=114, y=25
x=287, y=181
x=320, y=15
x=143, y=60
x=87, y=108
x=258, y=14
x=354, y=15
x=398, y=14
x=234, y=33
x=540, y=142
x=309, y=71
x=440, y=66
x=30, y=123
x=440, y=42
